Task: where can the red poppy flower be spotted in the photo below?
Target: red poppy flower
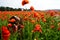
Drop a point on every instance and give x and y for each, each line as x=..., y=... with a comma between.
x=28, y=14
x=36, y=14
x=9, y=25
x=25, y=18
x=52, y=13
x=5, y=33
x=52, y=26
x=12, y=20
x=33, y=21
x=42, y=15
x=59, y=28
x=44, y=20
x=25, y=2
x=37, y=28
x=32, y=8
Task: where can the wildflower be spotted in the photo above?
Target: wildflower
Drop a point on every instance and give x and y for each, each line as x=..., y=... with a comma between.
x=52, y=26
x=38, y=18
x=37, y=28
x=59, y=28
x=5, y=33
x=36, y=14
x=25, y=2
x=32, y=8
x=12, y=20
x=25, y=18
x=9, y=25
x=33, y=21
x=42, y=15
x=52, y=13
x=28, y=14
x=44, y=20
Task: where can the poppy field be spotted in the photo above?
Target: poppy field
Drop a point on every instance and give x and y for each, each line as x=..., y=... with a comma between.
x=29, y=25
x=37, y=25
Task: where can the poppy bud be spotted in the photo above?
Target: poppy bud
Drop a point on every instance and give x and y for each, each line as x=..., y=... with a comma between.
x=9, y=25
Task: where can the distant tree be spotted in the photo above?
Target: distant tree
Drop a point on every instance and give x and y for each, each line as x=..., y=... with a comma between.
x=19, y=9
x=12, y=9
x=7, y=9
x=15, y=9
x=2, y=8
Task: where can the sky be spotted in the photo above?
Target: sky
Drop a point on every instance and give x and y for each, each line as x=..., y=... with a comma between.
x=37, y=4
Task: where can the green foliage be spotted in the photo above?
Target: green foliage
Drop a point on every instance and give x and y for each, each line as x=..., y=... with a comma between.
x=47, y=32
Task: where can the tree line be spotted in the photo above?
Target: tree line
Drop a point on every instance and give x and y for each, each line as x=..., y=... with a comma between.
x=12, y=9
